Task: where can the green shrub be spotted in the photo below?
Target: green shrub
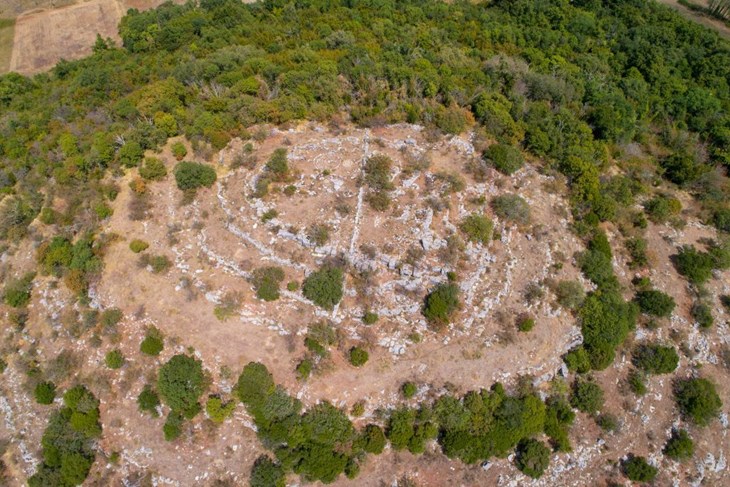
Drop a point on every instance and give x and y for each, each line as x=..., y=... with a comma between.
x=153, y=169
x=266, y=282
x=304, y=369
x=378, y=200
x=180, y=382
x=373, y=439
x=655, y=303
x=179, y=151
x=148, y=401
x=477, y=228
x=637, y=382
x=377, y=172
x=318, y=234
x=159, y=264
x=266, y=473
x=172, y=429
x=587, y=396
x=721, y=219
x=680, y=446
x=358, y=356
x=608, y=422
x=697, y=400
x=661, y=208
x=369, y=318
x=193, y=175
x=114, y=359
x=269, y=215
x=292, y=286
x=637, y=251
x=558, y=418
x=606, y=320
x=130, y=154
x=153, y=342
x=138, y=246
x=578, y=360
x=532, y=458
x=570, y=294
x=505, y=158
x=512, y=208
x=525, y=324
x=638, y=470
x=17, y=291
x=110, y=317
x=324, y=287
x=702, y=314
x=655, y=359
x=45, y=392
x=278, y=164
x=217, y=410
x=441, y=303
x=694, y=265
x=409, y=389
x=103, y=211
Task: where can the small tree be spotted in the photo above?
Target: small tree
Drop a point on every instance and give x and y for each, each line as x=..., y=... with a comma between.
x=639, y=470
x=278, y=164
x=193, y=175
x=587, y=396
x=153, y=169
x=441, y=303
x=180, y=382
x=696, y=266
x=655, y=359
x=512, y=208
x=217, y=410
x=533, y=457
x=179, y=151
x=680, y=446
x=697, y=400
x=655, y=303
x=45, y=392
x=266, y=473
x=324, y=287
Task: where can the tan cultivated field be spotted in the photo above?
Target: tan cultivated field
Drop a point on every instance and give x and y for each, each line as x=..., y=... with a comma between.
x=45, y=36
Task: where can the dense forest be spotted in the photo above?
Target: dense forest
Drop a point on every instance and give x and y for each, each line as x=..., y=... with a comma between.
x=617, y=97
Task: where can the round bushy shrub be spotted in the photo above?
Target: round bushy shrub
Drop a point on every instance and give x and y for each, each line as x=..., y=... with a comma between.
x=409, y=389
x=680, y=446
x=638, y=470
x=505, y=158
x=533, y=457
x=477, y=228
x=441, y=303
x=114, y=359
x=358, y=356
x=193, y=175
x=655, y=359
x=697, y=400
x=655, y=303
x=45, y=392
x=587, y=396
x=138, y=246
x=324, y=287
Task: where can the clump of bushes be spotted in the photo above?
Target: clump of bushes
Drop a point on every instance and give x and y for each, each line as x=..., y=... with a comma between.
x=370, y=317
x=153, y=342
x=138, y=246
x=218, y=410
x=505, y=158
x=525, y=323
x=45, y=392
x=587, y=396
x=440, y=304
x=153, y=169
x=477, y=228
x=193, y=175
x=570, y=294
x=266, y=281
x=158, y=264
x=639, y=470
x=148, y=401
x=702, y=314
x=318, y=234
x=655, y=303
x=697, y=400
x=114, y=359
x=409, y=389
x=695, y=265
x=533, y=457
x=661, y=208
x=324, y=287
x=179, y=151
x=376, y=175
x=655, y=359
x=512, y=208
x=278, y=164
x=680, y=446
x=17, y=291
x=358, y=356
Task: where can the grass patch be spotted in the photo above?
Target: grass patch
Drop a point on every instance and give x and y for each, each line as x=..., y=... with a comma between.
x=7, y=32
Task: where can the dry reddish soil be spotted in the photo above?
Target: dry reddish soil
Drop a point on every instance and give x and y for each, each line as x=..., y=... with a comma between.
x=216, y=241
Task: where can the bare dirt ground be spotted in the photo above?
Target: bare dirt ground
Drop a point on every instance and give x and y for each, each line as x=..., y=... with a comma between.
x=216, y=242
